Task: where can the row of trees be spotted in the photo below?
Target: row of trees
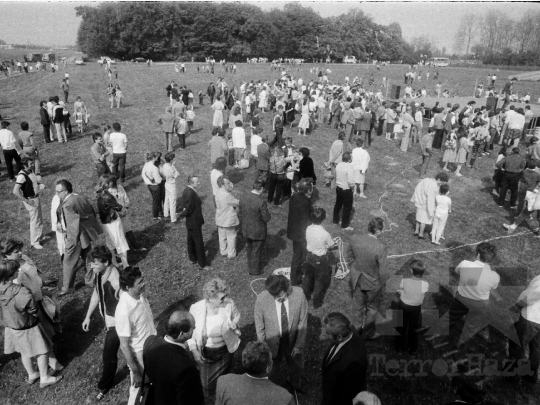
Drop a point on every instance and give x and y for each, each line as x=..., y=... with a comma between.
x=233, y=31
x=495, y=38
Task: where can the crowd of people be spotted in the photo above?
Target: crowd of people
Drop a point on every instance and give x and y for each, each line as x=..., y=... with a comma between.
x=192, y=362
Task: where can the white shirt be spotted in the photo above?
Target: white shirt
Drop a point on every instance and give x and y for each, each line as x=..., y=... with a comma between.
x=170, y=173
x=150, y=174
x=214, y=175
x=239, y=138
x=278, y=309
x=134, y=320
x=412, y=291
x=444, y=205
x=360, y=159
x=531, y=311
x=7, y=140
x=476, y=280
x=517, y=121
x=318, y=240
x=118, y=141
x=255, y=141
x=344, y=175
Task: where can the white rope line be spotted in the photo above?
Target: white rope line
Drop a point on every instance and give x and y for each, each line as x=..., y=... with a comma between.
x=460, y=246
x=251, y=284
x=386, y=193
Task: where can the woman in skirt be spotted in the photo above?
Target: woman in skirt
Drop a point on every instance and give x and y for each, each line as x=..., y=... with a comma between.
x=450, y=150
x=24, y=333
x=218, y=107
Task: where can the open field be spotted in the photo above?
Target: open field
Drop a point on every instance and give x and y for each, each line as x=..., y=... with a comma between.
x=169, y=278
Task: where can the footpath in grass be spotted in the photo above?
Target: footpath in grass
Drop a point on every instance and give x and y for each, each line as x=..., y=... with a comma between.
x=171, y=282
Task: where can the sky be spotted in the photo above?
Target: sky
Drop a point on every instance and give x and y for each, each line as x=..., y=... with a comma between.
x=55, y=23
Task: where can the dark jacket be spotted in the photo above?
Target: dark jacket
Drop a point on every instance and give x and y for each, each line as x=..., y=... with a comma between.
x=263, y=157
x=174, y=375
x=368, y=257
x=192, y=205
x=298, y=220
x=254, y=215
x=45, y=119
x=307, y=169
x=344, y=376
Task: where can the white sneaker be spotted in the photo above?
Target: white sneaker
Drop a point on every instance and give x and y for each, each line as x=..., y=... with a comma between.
x=348, y=229
x=495, y=192
x=37, y=246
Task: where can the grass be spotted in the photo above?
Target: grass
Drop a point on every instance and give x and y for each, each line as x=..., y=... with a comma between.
x=172, y=283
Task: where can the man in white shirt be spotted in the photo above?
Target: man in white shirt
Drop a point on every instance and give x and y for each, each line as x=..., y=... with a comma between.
x=239, y=141
x=344, y=191
x=256, y=140
x=11, y=149
x=528, y=331
x=134, y=324
x=476, y=282
x=360, y=163
x=118, y=140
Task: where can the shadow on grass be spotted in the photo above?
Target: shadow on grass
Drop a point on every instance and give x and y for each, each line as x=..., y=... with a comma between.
x=148, y=238
x=57, y=169
x=273, y=246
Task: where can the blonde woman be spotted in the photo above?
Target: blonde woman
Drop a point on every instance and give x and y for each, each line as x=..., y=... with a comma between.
x=215, y=337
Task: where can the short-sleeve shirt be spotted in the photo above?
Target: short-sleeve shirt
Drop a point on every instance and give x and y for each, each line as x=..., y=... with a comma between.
x=413, y=291
x=318, y=240
x=118, y=141
x=25, y=136
x=476, y=280
x=134, y=320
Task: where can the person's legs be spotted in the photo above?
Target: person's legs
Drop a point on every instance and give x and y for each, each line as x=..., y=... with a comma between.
x=122, y=167
x=296, y=368
x=9, y=156
x=308, y=282
x=110, y=360
x=271, y=187
x=323, y=279
x=156, y=200
x=46, y=133
x=413, y=321
x=298, y=258
x=338, y=204
x=36, y=224
x=347, y=208
x=231, y=233
x=69, y=270
x=425, y=164
x=372, y=305
x=514, y=185
x=132, y=390
x=279, y=190
x=199, y=246
x=28, y=363
x=192, y=253
x=222, y=238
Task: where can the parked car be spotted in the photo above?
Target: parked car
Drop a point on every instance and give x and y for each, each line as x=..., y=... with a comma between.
x=79, y=62
x=349, y=59
x=105, y=59
x=139, y=59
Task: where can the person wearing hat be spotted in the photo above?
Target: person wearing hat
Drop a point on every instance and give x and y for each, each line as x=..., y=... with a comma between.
x=11, y=149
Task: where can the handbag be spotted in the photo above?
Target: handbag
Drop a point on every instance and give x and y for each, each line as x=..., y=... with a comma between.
x=144, y=391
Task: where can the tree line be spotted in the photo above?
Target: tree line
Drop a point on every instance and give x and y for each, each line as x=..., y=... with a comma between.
x=497, y=39
x=233, y=31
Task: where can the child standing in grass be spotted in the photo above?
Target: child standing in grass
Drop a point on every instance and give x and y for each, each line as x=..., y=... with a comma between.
x=398, y=126
x=442, y=209
x=411, y=296
x=181, y=127
x=190, y=117
x=79, y=120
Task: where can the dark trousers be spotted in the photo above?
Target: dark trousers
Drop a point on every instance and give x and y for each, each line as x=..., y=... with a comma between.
x=67, y=126
x=110, y=360
x=66, y=95
x=344, y=198
x=317, y=278
x=529, y=336
x=155, y=190
x=195, y=246
x=119, y=166
x=509, y=181
x=182, y=140
x=275, y=188
x=380, y=127
x=74, y=258
x=298, y=259
x=132, y=241
x=47, y=133
x=9, y=157
x=262, y=175
x=102, y=168
x=278, y=139
x=287, y=188
x=438, y=138
x=425, y=164
x=254, y=250
x=296, y=365
x=408, y=337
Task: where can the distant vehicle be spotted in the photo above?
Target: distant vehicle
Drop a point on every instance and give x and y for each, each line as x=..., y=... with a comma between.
x=79, y=62
x=349, y=59
x=33, y=57
x=139, y=59
x=439, y=62
x=48, y=57
x=105, y=59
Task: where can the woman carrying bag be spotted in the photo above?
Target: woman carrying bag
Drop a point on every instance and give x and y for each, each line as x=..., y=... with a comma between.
x=216, y=334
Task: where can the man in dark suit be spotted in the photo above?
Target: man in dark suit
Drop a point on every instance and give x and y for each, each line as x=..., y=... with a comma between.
x=78, y=222
x=192, y=211
x=368, y=275
x=45, y=121
x=297, y=222
x=169, y=364
x=344, y=364
x=254, y=215
x=263, y=162
x=253, y=387
x=281, y=322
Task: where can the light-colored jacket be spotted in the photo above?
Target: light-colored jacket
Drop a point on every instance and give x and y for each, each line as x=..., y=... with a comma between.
x=226, y=204
x=231, y=317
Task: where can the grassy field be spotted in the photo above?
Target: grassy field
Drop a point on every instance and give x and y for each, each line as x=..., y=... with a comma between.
x=170, y=280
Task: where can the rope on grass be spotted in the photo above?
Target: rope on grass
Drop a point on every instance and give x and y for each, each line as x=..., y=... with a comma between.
x=460, y=246
x=386, y=193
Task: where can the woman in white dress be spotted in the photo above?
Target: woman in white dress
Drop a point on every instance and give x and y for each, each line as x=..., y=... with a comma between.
x=109, y=215
x=263, y=103
x=303, y=125
x=218, y=113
